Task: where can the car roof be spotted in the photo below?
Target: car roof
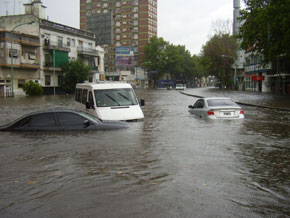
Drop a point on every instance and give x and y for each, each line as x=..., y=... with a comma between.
x=216, y=98
x=46, y=111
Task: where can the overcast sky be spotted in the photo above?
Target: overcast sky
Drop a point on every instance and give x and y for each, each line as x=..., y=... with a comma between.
x=183, y=22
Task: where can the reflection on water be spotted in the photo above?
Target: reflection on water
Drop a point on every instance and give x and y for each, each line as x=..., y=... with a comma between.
x=171, y=165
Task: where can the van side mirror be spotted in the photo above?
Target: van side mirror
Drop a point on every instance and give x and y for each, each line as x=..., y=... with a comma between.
x=190, y=106
x=89, y=106
x=142, y=102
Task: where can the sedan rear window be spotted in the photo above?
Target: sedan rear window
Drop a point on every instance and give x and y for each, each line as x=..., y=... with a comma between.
x=220, y=102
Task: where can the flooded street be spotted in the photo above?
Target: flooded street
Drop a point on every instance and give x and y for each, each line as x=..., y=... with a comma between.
x=172, y=164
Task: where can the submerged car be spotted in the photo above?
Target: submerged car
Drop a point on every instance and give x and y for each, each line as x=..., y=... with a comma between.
x=217, y=108
x=59, y=120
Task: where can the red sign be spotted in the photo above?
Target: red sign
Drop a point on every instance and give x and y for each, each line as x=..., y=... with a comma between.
x=258, y=78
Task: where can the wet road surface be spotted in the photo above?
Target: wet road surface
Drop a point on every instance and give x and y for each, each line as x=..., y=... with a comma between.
x=172, y=164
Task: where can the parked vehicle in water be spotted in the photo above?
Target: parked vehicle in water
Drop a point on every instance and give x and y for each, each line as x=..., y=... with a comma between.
x=109, y=101
x=60, y=120
x=217, y=108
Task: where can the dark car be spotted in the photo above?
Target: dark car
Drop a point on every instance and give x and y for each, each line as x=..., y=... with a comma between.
x=58, y=120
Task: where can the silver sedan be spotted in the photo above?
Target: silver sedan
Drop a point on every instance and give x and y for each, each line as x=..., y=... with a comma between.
x=217, y=108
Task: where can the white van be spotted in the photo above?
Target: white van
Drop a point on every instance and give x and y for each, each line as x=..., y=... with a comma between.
x=108, y=101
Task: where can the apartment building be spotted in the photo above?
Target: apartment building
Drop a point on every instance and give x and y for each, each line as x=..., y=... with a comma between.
x=127, y=27
x=34, y=48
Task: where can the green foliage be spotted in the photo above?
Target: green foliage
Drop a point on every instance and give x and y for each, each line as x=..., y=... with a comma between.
x=212, y=60
x=32, y=89
x=74, y=72
x=163, y=57
x=266, y=28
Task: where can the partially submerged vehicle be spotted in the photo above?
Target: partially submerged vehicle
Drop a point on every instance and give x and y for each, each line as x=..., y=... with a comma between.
x=109, y=101
x=217, y=108
x=60, y=120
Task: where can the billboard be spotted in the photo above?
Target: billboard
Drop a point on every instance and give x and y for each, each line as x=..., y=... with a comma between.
x=125, y=56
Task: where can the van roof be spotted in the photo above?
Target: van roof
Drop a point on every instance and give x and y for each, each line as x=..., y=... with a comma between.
x=105, y=85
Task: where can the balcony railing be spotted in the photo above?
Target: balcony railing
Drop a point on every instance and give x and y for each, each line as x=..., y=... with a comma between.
x=56, y=45
x=87, y=51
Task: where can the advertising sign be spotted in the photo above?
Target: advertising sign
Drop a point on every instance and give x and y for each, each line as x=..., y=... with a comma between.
x=125, y=56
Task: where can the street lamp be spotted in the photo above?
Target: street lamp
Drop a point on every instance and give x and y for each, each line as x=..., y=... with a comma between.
x=11, y=56
x=235, y=66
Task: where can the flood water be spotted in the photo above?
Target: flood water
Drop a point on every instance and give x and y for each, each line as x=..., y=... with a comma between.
x=172, y=164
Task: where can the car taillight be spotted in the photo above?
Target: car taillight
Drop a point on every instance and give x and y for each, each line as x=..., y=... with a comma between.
x=211, y=112
x=242, y=112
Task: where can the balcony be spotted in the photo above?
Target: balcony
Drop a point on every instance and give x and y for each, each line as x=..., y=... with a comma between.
x=88, y=51
x=56, y=45
x=30, y=65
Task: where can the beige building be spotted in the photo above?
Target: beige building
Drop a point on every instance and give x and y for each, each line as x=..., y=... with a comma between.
x=34, y=48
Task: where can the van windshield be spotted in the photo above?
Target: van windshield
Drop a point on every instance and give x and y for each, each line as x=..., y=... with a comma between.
x=115, y=97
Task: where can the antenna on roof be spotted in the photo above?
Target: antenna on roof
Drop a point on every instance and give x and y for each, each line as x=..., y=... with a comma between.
x=6, y=3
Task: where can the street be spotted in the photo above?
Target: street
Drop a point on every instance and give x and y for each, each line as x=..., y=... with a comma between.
x=172, y=164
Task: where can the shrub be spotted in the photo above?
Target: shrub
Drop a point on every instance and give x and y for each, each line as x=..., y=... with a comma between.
x=32, y=89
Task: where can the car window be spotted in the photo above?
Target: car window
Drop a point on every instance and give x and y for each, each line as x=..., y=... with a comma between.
x=70, y=119
x=90, y=117
x=199, y=104
x=41, y=120
x=220, y=102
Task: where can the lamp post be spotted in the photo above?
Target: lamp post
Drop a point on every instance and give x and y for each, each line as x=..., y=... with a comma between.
x=235, y=66
x=11, y=55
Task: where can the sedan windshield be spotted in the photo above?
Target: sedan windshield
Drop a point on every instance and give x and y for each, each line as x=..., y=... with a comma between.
x=221, y=102
x=115, y=97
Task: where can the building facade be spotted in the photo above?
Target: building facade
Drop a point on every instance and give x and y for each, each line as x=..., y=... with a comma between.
x=133, y=23
x=34, y=48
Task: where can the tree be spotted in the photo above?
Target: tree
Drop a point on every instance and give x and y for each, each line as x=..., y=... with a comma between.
x=163, y=57
x=214, y=63
x=32, y=89
x=266, y=28
x=155, y=57
x=74, y=72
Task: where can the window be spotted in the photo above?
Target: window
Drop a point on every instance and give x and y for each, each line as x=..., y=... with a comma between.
x=78, y=95
x=70, y=119
x=91, y=99
x=31, y=56
x=60, y=80
x=21, y=83
x=42, y=120
x=68, y=42
x=73, y=43
x=59, y=41
x=84, y=97
x=13, y=53
x=199, y=104
x=47, y=80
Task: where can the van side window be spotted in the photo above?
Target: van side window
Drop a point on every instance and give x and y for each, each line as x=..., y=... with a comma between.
x=84, y=98
x=78, y=95
x=91, y=100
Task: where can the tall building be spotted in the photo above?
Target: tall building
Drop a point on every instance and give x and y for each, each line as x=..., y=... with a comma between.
x=122, y=27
